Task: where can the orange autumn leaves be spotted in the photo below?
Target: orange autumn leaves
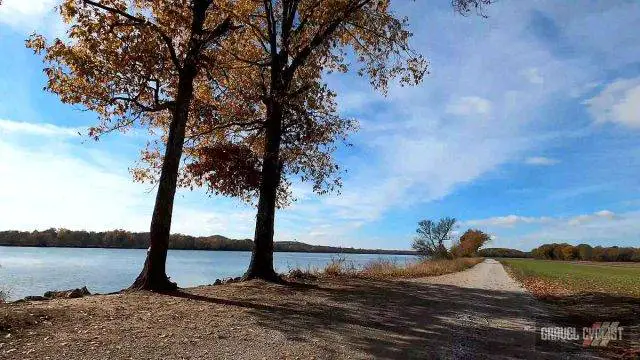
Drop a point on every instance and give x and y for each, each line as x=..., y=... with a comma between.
x=125, y=69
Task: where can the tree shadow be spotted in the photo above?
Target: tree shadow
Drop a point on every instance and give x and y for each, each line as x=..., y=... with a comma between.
x=400, y=320
x=583, y=310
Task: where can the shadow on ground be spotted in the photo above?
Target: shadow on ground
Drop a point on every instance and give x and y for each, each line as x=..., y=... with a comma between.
x=400, y=320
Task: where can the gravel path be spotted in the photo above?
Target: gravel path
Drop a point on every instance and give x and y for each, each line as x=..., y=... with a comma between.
x=519, y=313
x=476, y=314
x=488, y=275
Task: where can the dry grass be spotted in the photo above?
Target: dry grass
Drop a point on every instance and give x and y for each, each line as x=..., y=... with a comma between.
x=387, y=269
x=4, y=295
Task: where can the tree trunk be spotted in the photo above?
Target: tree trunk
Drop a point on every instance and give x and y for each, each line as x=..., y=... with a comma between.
x=153, y=275
x=261, y=266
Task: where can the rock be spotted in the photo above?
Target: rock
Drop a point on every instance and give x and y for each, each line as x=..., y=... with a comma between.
x=232, y=280
x=217, y=282
x=72, y=294
x=68, y=294
x=35, y=298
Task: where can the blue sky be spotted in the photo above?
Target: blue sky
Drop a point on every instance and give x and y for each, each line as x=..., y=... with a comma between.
x=528, y=127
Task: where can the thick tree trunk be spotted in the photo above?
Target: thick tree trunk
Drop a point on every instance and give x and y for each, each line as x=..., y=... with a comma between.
x=261, y=266
x=153, y=275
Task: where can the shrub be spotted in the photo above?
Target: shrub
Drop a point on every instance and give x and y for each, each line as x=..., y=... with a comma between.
x=339, y=266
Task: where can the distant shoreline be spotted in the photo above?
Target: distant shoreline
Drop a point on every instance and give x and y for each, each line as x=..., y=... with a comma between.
x=121, y=239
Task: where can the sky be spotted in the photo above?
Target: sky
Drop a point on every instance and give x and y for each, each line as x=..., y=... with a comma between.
x=527, y=127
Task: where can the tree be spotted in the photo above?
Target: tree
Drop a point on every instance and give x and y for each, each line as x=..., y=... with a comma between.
x=291, y=43
x=585, y=252
x=140, y=63
x=431, y=238
x=299, y=40
x=469, y=244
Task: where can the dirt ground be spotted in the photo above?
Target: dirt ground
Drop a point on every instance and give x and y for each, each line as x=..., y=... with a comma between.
x=475, y=314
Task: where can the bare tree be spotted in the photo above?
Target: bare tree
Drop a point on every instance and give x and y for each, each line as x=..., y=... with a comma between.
x=431, y=238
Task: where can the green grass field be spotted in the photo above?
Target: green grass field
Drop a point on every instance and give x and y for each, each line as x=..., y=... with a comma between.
x=581, y=277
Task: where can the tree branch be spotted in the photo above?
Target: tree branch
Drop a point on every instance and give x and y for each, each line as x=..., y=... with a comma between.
x=144, y=22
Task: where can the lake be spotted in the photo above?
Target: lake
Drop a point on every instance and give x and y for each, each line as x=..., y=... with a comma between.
x=32, y=271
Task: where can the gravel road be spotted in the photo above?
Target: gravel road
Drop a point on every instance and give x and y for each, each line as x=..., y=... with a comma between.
x=488, y=275
x=519, y=313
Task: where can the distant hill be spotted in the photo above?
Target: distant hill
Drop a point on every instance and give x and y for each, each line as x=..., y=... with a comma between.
x=122, y=239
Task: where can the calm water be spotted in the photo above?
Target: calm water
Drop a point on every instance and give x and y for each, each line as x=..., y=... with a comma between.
x=32, y=271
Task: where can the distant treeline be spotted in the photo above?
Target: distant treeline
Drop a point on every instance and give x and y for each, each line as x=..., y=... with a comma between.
x=585, y=252
x=503, y=252
x=565, y=251
x=122, y=239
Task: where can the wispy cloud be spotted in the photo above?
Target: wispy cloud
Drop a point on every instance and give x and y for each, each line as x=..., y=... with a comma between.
x=618, y=102
x=469, y=106
x=31, y=15
x=508, y=221
x=25, y=128
x=533, y=75
x=541, y=161
x=597, y=228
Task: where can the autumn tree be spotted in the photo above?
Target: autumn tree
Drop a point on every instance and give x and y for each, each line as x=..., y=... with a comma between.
x=469, y=243
x=432, y=236
x=142, y=63
x=289, y=45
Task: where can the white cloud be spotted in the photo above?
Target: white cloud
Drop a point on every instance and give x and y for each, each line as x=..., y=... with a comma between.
x=513, y=220
x=29, y=15
x=56, y=182
x=599, y=215
x=25, y=128
x=602, y=227
x=533, y=76
x=541, y=161
x=618, y=102
x=507, y=221
x=469, y=106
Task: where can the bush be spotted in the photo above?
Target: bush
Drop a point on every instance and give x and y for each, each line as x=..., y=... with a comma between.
x=339, y=266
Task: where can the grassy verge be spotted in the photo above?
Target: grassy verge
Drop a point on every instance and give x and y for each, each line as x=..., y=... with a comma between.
x=582, y=293
x=387, y=269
